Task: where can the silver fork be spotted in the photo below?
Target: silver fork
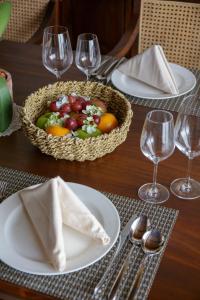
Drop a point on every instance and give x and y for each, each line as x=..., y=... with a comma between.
x=3, y=186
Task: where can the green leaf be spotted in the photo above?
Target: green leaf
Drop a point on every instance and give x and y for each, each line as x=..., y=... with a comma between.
x=5, y=11
x=5, y=105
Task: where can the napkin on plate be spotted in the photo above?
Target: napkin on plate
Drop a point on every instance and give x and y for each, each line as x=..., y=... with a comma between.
x=152, y=68
x=49, y=206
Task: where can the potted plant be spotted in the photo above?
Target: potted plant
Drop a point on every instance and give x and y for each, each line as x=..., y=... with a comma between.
x=5, y=78
x=5, y=11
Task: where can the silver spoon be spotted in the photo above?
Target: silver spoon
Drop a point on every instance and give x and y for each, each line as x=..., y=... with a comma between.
x=137, y=230
x=152, y=244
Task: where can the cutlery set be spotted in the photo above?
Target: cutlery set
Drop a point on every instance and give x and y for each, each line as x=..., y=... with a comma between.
x=104, y=72
x=151, y=242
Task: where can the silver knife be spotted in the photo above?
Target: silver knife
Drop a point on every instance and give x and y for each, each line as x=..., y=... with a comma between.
x=122, y=238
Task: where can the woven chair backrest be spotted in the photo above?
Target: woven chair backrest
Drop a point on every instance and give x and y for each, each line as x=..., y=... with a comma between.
x=26, y=17
x=173, y=25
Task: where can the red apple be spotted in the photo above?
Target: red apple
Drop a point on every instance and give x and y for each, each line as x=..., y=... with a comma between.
x=71, y=124
x=99, y=103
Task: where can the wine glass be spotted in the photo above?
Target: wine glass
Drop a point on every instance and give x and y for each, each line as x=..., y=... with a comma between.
x=57, y=55
x=156, y=143
x=88, y=56
x=187, y=140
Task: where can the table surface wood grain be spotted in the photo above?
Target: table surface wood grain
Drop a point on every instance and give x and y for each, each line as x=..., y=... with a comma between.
x=121, y=172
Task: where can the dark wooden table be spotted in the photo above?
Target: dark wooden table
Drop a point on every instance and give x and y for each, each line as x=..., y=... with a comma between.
x=121, y=172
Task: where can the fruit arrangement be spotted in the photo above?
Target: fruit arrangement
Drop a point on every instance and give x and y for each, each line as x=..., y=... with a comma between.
x=63, y=142
x=77, y=116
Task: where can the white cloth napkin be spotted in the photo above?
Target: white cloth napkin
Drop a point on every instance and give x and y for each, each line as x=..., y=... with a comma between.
x=152, y=68
x=53, y=204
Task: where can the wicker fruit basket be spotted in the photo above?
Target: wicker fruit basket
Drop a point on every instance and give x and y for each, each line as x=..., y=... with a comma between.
x=75, y=148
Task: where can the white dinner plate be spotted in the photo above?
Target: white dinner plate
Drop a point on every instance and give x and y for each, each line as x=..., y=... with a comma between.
x=185, y=80
x=20, y=249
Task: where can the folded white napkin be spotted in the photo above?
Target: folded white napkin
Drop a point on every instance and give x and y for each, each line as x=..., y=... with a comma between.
x=49, y=206
x=152, y=68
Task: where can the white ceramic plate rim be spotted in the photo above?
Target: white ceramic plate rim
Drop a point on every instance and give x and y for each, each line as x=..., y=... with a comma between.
x=94, y=200
x=185, y=79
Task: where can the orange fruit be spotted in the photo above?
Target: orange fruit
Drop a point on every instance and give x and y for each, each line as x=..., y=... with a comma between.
x=57, y=130
x=107, y=122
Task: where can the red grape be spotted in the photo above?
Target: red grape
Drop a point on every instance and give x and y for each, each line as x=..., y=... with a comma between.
x=82, y=101
x=76, y=106
x=66, y=108
x=80, y=119
x=71, y=124
x=96, y=119
x=85, y=104
x=53, y=106
x=72, y=99
x=62, y=114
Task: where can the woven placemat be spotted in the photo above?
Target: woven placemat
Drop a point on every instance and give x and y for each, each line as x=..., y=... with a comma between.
x=172, y=104
x=80, y=285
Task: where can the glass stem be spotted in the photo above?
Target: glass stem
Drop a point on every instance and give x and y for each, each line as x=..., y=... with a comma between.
x=57, y=73
x=155, y=171
x=189, y=167
x=88, y=76
x=58, y=76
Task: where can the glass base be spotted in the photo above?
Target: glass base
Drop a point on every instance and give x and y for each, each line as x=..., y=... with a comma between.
x=159, y=195
x=181, y=189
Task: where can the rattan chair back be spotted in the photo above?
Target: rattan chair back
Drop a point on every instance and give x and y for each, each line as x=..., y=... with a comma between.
x=26, y=17
x=173, y=25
